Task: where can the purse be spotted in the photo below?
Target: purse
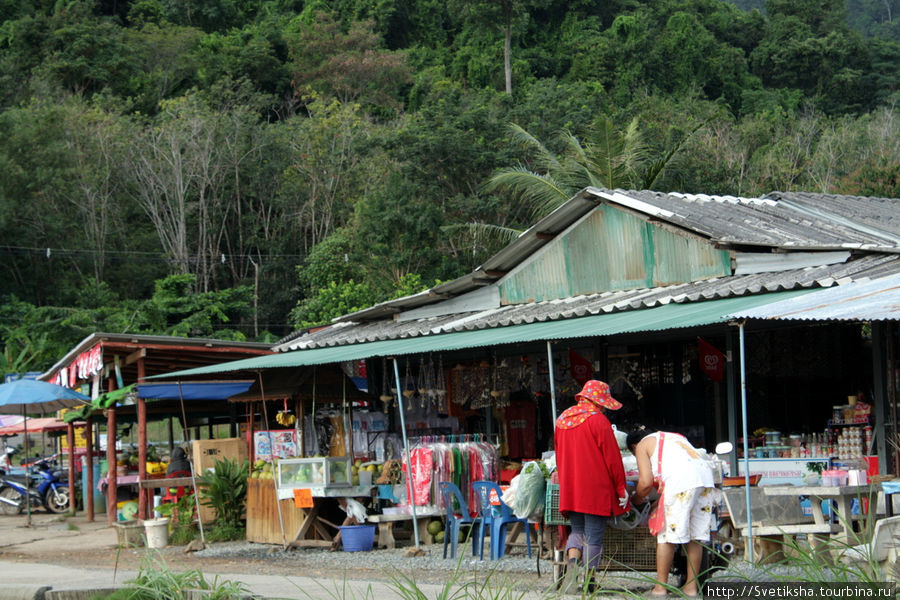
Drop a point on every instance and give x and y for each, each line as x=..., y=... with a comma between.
x=657, y=521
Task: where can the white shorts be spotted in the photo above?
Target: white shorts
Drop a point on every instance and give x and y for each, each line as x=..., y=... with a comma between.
x=688, y=516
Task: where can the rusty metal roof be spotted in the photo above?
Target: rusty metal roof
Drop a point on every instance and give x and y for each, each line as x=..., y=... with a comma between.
x=595, y=304
x=758, y=231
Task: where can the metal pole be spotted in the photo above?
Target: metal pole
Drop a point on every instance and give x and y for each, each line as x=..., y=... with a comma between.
x=194, y=461
x=262, y=395
x=409, y=483
x=27, y=495
x=552, y=384
x=746, y=442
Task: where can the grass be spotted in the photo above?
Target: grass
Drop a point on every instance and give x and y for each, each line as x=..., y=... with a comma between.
x=155, y=581
x=800, y=564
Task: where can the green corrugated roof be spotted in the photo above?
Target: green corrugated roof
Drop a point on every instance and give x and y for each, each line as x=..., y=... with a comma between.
x=670, y=316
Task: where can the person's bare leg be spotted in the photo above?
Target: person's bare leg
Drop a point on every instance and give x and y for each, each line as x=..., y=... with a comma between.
x=694, y=553
x=665, y=554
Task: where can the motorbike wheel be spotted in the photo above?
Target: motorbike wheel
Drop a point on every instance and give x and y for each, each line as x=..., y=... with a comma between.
x=57, y=500
x=11, y=494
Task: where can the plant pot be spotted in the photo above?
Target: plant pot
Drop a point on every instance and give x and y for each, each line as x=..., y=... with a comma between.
x=811, y=479
x=157, y=531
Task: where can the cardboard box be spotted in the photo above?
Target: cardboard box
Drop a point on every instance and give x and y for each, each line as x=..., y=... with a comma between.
x=205, y=453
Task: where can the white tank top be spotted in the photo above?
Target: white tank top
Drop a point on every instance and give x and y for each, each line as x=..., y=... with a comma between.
x=683, y=466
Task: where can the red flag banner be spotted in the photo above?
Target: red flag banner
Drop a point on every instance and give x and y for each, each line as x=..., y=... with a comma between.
x=582, y=369
x=712, y=361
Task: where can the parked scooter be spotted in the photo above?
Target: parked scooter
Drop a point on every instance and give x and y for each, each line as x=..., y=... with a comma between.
x=45, y=487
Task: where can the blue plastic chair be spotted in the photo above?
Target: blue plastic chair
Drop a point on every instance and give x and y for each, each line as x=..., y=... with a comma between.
x=453, y=501
x=496, y=518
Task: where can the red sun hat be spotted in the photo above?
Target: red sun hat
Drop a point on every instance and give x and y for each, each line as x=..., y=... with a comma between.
x=597, y=392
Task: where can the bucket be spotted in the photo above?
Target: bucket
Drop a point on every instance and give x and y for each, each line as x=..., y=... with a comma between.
x=129, y=533
x=357, y=538
x=157, y=531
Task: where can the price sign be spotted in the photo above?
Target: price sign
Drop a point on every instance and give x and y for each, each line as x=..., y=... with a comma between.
x=303, y=498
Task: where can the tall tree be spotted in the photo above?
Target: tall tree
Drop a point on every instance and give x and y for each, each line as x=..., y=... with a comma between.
x=350, y=66
x=507, y=12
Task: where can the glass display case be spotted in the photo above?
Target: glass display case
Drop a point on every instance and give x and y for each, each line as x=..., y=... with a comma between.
x=313, y=472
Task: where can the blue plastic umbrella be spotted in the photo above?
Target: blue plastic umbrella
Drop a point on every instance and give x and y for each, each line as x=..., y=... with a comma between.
x=30, y=395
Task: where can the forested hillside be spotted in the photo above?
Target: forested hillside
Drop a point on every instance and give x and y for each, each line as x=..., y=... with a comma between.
x=238, y=168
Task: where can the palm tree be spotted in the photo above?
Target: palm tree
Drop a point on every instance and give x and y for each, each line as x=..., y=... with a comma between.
x=613, y=160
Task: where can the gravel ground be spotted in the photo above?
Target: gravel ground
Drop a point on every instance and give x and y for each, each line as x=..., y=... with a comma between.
x=384, y=559
x=516, y=571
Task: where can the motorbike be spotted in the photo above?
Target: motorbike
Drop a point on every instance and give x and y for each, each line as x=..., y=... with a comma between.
x=45, y=487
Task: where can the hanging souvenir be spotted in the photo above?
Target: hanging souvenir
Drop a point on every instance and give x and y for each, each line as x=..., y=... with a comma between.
x=685, y=364
x=387, y=392
x=440, y=386
x=408, y=387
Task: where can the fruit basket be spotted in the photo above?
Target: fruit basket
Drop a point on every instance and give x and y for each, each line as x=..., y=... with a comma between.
x=313, y=472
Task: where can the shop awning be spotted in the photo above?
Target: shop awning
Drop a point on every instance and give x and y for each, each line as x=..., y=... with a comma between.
x=193, y=390
x=875, y=300
x=34, y=426
x=670, y=316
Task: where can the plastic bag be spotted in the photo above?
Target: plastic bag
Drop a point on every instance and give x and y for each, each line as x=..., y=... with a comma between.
x=355, y=510
x=509, y=494
x=636, y=516
x=531, y=493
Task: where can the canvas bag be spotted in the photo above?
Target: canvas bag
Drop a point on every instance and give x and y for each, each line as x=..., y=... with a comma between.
x=657, y=520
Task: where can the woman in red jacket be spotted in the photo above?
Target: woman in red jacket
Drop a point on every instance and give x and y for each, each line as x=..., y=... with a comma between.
x=591, y=475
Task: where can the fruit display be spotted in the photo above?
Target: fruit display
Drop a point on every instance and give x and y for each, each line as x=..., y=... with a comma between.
x=360, y=466
x=316, y=471
x=262, y=470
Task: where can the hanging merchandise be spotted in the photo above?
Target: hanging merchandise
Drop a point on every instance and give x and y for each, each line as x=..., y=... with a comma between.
x=440, y=387
x=685, y=364
x=462, y=461
x=285, y=417
x=408, y=388
x=387, y=392
x=668, y=370
x=422, y=383
x=310, y=437
x=336, y=445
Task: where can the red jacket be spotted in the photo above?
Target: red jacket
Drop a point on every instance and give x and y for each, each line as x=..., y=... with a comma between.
x=591, y=475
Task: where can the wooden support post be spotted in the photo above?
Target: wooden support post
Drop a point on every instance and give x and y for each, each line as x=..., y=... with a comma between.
x=112, y=487
x=112, y=484
x=143, y=504
x=251, y=433
x=89, y=453
x=70, y=440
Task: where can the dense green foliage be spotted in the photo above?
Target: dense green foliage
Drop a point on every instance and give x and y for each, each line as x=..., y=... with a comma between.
x=237, y=169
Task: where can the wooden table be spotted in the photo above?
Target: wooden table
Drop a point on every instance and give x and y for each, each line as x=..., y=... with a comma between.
x=311, y=518
x=385, y=523
x=166, y=482
x=839, y=496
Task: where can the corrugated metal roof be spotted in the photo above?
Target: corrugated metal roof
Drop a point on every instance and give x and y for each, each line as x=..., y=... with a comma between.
x=770, y=222
x=877, y=300
x=671, y=316
x=555, y=311
x=827, y=222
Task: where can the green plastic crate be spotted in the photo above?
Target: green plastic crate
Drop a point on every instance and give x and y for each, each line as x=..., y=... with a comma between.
x=552, y=515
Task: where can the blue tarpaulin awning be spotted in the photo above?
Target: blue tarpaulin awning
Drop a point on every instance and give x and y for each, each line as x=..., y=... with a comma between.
x=193, y=390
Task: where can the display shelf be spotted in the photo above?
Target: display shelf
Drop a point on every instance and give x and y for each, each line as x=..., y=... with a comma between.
x=324, y=472
x=862, y=421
